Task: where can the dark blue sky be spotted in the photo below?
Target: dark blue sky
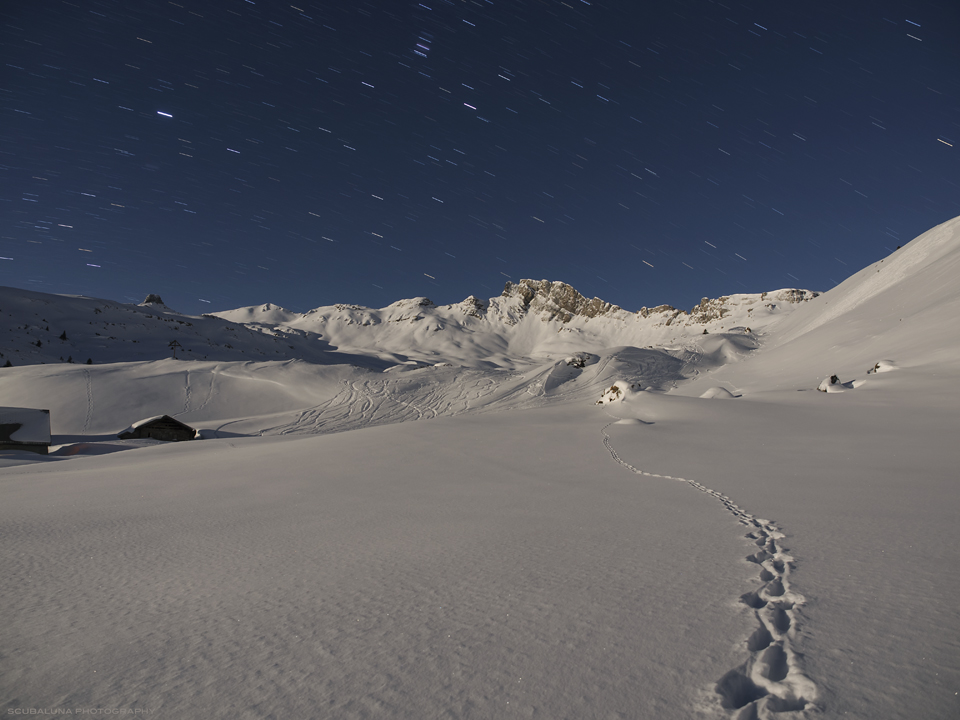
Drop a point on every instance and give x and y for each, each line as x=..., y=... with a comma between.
x=234, y=152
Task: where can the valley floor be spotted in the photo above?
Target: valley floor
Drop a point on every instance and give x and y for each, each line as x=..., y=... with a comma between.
x=530, y=562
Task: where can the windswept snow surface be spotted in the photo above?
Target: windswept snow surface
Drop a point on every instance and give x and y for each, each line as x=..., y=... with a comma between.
x=468, y=534
x=490, y=566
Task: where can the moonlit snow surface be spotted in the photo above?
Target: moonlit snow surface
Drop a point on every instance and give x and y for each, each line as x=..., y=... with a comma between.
x=460, y=540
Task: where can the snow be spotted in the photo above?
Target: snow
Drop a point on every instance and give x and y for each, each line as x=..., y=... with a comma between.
x=864, y=486
x=34, y=424
x=717, y=392
x=472, y=535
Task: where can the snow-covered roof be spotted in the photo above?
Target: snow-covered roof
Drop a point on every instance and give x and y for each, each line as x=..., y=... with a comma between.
x=34, y=424
x=147, y=421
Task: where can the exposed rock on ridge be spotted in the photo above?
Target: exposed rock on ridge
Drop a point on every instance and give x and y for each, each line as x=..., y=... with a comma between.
x=556, y=300
x=473, y=307
x=559, y=301
x=715, y=309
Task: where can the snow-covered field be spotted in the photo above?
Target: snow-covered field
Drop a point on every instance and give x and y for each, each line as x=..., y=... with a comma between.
x=422, y=512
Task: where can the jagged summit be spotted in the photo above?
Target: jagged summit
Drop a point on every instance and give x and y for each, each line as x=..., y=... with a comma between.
x=556, y=300
x=471, y=306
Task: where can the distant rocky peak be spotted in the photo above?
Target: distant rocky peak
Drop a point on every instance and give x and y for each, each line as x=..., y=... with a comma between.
x=556, y=300
x=156, y=303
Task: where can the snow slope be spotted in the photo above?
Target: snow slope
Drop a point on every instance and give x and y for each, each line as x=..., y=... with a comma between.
x=296, y=397
x=42, y=328
x=905, y=308
x=458, y=529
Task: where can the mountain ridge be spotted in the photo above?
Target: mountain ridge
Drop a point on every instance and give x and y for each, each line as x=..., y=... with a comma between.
x=529, y=318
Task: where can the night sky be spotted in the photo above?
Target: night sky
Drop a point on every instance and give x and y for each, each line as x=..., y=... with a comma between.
x=230, y=152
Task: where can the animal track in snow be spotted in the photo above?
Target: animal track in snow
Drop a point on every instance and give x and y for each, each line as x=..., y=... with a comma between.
x=771, y=680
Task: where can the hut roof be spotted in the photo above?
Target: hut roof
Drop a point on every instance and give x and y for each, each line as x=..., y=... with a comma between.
x=34, y=424
x=166, y=419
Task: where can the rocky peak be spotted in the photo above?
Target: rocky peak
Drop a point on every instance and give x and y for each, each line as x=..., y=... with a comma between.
x=709, y=309
x=156, y=303
x=556, y=300
x=472, y=306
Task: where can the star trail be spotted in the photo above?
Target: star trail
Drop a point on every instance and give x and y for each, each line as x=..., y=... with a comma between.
x=239, y=152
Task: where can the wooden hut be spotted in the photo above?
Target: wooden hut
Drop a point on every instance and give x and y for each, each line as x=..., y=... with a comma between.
x=25, y=429
x=160, y=427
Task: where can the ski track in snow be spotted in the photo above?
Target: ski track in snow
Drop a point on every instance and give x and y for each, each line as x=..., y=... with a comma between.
x=692, y=356
x=211, y=389
x=377, y=402
x=419, y=395
x=771, y=680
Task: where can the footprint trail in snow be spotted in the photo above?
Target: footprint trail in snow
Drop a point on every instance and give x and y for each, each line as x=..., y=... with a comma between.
x=771, y=680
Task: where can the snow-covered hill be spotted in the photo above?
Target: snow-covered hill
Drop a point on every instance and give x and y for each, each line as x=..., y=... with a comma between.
x=43, y=328
x=422, y=511
x=905, y=307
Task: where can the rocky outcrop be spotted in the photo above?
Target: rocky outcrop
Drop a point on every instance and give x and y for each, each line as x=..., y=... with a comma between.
x=559, y=301
x=556, y=300
x=709, y=310
x=715, y=309
x=156, y=303
x=664, y=314
x=472, y=306
x=790, y=295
